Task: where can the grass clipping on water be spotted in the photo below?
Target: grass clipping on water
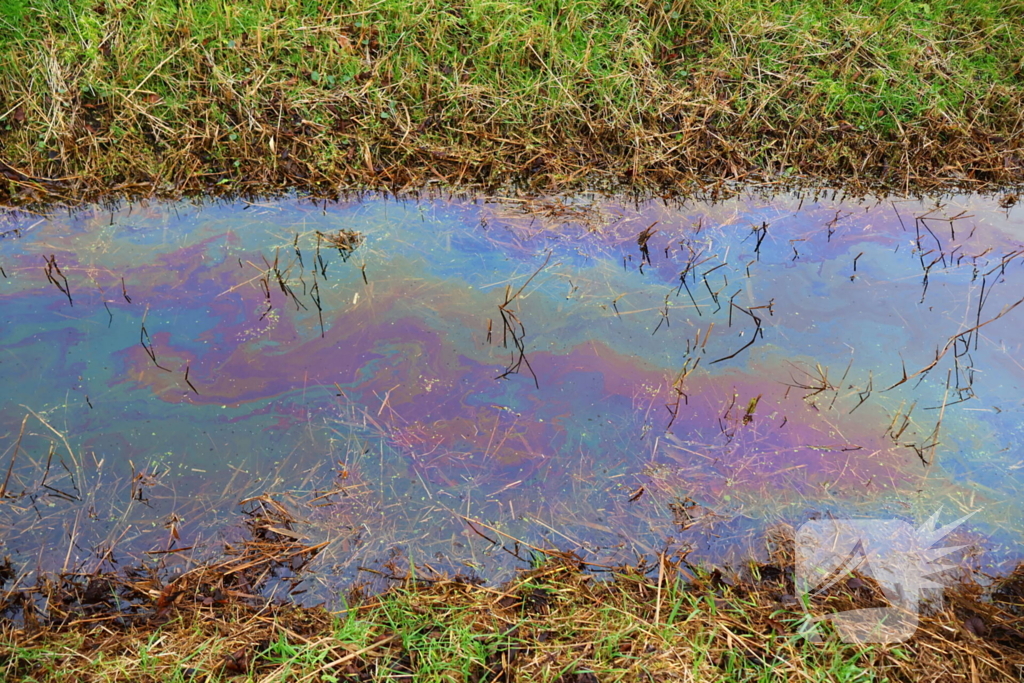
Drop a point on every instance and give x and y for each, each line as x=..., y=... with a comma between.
x=184, y=96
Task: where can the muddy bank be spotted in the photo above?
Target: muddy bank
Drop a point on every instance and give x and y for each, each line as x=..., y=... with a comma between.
x=561, y=619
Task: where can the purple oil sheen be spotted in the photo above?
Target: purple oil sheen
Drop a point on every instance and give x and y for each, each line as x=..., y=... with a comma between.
x=400, y=404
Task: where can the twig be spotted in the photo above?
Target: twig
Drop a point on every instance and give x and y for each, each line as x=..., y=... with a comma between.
x=10, y=468
x=753, y=338
x=952, y=341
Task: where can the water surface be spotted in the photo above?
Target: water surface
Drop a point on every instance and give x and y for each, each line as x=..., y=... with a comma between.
x=538, y=371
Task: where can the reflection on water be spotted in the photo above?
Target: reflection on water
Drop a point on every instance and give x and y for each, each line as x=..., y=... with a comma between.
x=576, y=373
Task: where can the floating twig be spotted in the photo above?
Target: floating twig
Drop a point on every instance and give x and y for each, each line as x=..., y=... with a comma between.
x=641, y=241
x=188, y=381
x=678, y=388
x=14, y=456
x=866, y=394
x=314, y=294
x=615, y=305
x=510, y=322
x=319, y=259
x=753, y=338
x=761, y=233
x=664, y=317
x=682, y=280
x=147, y=343
x=939, y=354
x=51, y=268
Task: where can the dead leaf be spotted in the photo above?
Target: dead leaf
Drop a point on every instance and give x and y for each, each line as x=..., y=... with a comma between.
x=975, y=626
x=344, y=43
x=237, y=661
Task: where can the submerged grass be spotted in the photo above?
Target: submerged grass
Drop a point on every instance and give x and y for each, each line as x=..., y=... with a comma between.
x=557, y=622
x=185, y=95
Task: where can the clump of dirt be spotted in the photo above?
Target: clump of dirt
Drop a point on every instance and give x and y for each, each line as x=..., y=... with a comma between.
x=345, y=241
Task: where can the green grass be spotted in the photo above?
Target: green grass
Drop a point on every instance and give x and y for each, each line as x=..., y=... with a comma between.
x=553, y=624
x=396, y=92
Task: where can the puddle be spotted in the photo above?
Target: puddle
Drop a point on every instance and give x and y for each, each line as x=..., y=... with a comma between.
x=499, y=370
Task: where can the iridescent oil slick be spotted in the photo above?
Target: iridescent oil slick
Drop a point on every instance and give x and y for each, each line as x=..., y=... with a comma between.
x=579, y=373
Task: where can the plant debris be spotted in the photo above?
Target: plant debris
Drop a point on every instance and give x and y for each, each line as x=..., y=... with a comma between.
x=561, y=620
